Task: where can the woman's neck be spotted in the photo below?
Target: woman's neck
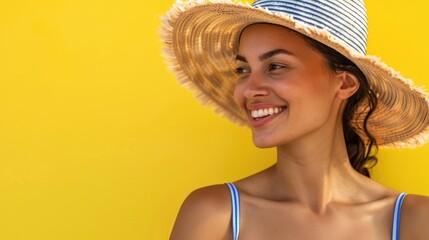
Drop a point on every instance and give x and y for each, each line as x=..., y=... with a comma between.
x=316, y=174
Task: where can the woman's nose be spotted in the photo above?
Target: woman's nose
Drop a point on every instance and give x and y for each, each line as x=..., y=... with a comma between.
x=256, y=86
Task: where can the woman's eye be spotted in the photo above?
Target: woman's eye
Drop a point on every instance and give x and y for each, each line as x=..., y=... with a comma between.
x=274, y=67
x=242, y=70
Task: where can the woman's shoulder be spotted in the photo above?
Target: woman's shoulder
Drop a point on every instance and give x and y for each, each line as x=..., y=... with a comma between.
x=205, y=214
x=214, y=198
x=415, y=217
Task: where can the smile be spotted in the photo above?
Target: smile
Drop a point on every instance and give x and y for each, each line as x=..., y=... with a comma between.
x=264, y=112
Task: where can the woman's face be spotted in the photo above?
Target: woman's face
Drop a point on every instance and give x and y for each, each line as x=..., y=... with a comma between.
x=285, y=86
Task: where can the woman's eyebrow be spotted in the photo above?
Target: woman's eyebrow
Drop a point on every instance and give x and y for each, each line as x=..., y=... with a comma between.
x=266, y=55
x=240, y=58
x=274, y=52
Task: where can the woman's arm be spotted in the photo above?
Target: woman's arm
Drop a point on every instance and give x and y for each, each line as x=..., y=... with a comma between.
x=205, y=214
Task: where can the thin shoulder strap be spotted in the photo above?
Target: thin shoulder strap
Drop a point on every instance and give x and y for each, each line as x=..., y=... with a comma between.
x=235, y=203
x=397, y=216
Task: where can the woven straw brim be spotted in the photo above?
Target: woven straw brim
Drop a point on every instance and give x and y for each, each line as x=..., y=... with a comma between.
x=201, y=41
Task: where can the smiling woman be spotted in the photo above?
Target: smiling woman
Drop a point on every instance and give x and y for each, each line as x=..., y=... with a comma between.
x=296, y=72
x=289, y=75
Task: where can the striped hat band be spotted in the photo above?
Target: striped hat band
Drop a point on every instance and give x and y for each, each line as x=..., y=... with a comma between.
x=346, y=20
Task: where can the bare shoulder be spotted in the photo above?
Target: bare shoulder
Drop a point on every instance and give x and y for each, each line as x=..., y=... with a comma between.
x=205, y=214
x=415, y=217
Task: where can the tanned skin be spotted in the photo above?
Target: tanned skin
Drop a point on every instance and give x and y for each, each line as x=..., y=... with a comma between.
x=312, y=192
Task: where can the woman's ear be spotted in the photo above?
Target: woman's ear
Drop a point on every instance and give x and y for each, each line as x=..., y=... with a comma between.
x=349, y=84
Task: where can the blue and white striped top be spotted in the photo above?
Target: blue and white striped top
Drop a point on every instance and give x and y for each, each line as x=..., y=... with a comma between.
x=235, y=200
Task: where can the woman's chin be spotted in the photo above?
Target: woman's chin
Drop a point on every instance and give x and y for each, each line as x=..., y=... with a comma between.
x=264, y=143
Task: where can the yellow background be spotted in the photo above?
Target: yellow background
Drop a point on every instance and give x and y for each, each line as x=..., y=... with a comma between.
x=98, y=140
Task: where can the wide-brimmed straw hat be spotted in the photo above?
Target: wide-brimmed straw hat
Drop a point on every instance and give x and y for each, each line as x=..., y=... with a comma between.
x=201, y=41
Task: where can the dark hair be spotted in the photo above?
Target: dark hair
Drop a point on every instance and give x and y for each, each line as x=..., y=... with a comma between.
x=361, y=154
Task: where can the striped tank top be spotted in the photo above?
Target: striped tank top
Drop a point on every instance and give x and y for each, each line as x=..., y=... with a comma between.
x=235, y=203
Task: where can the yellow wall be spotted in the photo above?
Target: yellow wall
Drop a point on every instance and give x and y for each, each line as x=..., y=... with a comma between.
x=98, y=140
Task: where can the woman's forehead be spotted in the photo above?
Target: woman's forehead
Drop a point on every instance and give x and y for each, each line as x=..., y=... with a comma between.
x=265, y=37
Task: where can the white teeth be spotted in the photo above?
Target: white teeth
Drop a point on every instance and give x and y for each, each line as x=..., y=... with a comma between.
x=254, y=113
x=266, y=112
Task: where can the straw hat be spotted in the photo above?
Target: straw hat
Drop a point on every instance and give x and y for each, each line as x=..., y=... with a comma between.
x=201, y=39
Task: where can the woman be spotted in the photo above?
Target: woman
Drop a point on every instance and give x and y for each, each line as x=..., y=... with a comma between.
x=296, y=72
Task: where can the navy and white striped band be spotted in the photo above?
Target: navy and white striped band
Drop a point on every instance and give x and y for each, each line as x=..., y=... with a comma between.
x=346, y=20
